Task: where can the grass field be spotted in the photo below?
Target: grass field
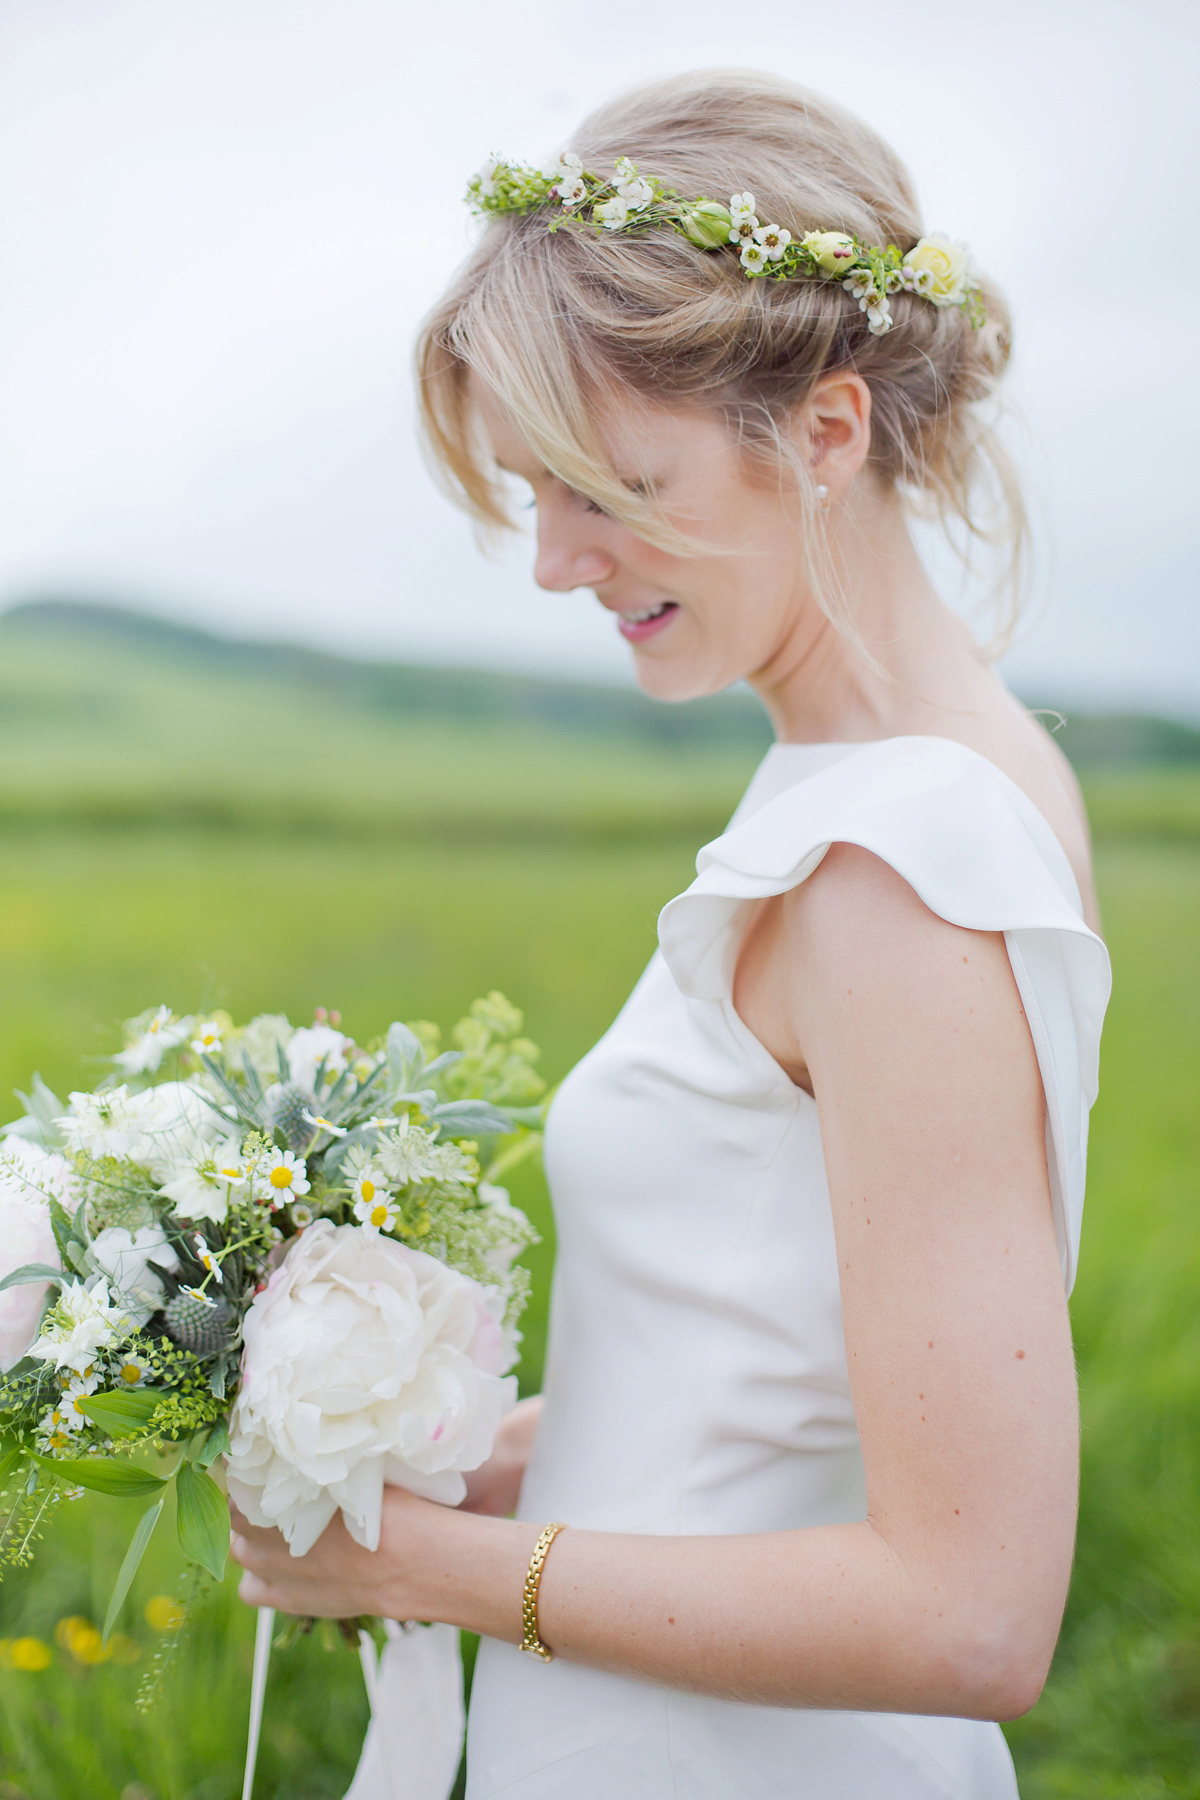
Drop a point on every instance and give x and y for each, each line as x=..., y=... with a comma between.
x=382, y=915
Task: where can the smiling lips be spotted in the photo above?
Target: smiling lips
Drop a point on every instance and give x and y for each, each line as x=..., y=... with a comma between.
x=635, y=627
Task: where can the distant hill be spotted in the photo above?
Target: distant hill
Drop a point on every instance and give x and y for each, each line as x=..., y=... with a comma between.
x=401, y=690
x=114, y=717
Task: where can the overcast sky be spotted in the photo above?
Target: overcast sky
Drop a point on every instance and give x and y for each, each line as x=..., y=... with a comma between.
x=220, y=221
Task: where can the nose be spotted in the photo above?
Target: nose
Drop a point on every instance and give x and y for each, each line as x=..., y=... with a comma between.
x=568, y=555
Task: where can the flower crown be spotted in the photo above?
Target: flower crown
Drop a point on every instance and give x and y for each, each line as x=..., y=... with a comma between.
x=936, y=268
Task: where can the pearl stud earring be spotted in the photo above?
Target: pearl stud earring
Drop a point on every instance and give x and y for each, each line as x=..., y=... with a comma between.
x=822, y=496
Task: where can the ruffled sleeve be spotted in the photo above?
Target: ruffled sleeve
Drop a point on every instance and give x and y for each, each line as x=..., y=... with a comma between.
x=978, y=853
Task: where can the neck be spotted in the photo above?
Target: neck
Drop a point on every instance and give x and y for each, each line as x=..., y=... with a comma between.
x=921, y=670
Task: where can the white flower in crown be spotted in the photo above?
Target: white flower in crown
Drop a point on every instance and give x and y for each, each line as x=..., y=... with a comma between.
x=938, y=269
x=754, y=258
x=774, y=240
x=632, y=187
x=572, y=190
x=742, y=230
x=879, y=316
x=484, y=181
x=741, y=206
x=564, y=167
x=613, y=213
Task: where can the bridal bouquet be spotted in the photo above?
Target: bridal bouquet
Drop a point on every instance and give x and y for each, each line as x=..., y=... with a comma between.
x=271, y=1244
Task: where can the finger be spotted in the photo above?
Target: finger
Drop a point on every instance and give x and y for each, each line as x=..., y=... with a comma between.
x=252, y=1555
x=254, y=1590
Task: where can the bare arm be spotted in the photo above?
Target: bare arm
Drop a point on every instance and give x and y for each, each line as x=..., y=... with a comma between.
x=948, y=1597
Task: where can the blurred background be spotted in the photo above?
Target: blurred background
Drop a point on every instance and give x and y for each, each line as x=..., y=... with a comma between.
x=273, y=734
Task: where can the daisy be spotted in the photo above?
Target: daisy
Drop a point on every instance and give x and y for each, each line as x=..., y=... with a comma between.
x=279, y=1178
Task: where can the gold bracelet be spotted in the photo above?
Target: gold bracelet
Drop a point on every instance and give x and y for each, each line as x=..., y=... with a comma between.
x=531, y=1640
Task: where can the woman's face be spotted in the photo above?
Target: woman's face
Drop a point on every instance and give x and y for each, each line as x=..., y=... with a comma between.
x=695, y=623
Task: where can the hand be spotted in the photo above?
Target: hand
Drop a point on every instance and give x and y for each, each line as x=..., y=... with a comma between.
x=494, y=1487
x=338, y=1579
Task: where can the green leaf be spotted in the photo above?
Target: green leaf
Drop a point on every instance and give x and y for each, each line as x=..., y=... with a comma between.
x=45, y=1109
x=215, y=1444
x=202, y=1519
x=133, y=1557
x=470, y=1118
x=11, y=1458
x=31, y=1272
x=121, y=1414
x=103, y=1474
x=63, y=1227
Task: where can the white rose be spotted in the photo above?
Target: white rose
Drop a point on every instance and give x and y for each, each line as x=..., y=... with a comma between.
x=307, y=1048
x=942, y=268
x=25, y=1237
x=126, y=1257
x=365, y=1362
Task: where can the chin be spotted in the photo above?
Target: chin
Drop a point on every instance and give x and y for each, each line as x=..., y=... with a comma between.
x=667, y=681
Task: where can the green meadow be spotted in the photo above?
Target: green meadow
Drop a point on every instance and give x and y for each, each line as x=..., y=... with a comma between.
x=191, y=821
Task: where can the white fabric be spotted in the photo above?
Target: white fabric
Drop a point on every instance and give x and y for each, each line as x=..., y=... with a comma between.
x=414, y=1742
x=696, y=1372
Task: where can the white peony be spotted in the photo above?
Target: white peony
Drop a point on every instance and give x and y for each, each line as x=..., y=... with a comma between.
x=365, y=1362
x=129, y=1260
x=311, y=1045
x=25, y=1237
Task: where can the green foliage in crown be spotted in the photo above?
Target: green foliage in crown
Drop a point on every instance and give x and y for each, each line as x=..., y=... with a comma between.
x=935, y=269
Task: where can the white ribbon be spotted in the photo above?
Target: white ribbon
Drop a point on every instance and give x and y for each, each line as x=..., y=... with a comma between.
x=264, y=1628
x=414, y=1741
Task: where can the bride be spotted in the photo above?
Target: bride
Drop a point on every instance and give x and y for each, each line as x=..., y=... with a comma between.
x=810, y=1413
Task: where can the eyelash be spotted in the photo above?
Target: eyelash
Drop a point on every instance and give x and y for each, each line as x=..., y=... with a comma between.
x=588, y=506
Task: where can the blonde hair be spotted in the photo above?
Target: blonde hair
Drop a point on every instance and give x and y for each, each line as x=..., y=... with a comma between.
x=555, y=322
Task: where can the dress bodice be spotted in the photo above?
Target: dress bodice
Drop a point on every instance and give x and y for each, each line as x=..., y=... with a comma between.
x=696, y=1375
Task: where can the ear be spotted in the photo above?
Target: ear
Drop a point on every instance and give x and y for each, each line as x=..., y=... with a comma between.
x=836, y=424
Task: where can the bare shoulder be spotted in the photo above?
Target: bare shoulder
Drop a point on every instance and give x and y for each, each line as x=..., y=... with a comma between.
x=854, y=953
x=1020, y=746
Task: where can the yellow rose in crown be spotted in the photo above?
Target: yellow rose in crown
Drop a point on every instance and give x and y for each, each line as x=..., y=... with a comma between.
x=833, y=250
x=939, y=269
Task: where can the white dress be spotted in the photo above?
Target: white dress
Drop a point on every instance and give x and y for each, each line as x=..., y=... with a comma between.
x=696, y=1373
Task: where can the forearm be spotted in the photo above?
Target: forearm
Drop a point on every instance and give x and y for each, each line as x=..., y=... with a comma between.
x=825, y=1618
